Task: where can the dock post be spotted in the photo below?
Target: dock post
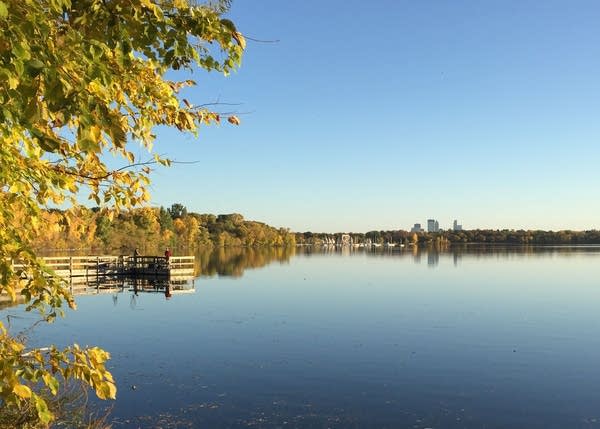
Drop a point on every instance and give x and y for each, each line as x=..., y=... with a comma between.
x=97, y=270
x=71, y=266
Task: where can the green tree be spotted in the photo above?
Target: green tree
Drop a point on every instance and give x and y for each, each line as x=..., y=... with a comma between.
x=164, y=219
x=102, y=229
x=177, y=210
x=80, y=80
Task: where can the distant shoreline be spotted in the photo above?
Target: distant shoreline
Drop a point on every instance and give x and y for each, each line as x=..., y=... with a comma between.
x=474, y=236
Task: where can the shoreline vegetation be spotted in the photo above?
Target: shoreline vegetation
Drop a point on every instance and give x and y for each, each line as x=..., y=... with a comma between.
x=447, y=238
x=150, y=229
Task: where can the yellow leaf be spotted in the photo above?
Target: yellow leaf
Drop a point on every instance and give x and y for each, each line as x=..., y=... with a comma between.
x=109, y=376
x=106, y=390
x=94, y=357
x=95, y=132
x=17, y=347
x=51, y=383
x=112, y=389
x=22, y=391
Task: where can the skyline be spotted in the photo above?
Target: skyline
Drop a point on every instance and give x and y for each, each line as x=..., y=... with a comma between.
x=367, y=119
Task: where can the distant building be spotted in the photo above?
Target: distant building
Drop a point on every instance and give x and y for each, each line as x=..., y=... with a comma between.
x=456, y=226
x=433, y=225
x=416, y=228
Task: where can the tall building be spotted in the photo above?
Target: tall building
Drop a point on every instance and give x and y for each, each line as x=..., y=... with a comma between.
x=416, y=228
x=433, y=225
x=456, y=226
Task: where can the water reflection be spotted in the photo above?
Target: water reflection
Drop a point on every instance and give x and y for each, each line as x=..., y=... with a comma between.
x=493, y=336
x=133, y=285
x=232, y=261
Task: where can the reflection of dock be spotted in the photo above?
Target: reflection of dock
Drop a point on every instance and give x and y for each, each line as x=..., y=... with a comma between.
x=116, y=285
x=135, y=285
x=84, y=269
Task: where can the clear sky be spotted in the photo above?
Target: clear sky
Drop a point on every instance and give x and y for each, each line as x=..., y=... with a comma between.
x=380, y=114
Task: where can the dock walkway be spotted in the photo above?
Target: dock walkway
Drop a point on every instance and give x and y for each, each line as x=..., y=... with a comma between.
x=85, y=268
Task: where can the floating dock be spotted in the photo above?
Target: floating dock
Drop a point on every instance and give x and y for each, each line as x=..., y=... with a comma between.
x=86, y=275
x=83, y=269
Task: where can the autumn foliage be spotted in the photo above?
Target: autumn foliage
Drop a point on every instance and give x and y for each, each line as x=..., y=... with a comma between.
x=82, y=82
x=150, y=229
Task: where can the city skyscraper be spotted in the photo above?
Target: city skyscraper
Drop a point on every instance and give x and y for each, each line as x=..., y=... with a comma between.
x=433, y=225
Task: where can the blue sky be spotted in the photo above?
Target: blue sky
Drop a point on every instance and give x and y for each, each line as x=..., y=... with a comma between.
x=377, y=115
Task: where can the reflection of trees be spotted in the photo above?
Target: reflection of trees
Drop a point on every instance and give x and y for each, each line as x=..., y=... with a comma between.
x=488, y=250
x=432, y=252
x=232, y=261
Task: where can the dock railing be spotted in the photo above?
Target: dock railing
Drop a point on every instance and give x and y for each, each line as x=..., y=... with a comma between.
x=90, y=267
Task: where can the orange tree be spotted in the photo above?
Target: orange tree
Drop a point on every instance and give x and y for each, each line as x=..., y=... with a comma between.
x=79, y=80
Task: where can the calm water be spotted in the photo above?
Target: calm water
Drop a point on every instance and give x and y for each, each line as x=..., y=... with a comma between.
x=478, y=338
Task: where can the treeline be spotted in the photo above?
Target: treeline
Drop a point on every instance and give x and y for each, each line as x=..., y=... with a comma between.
x=523, y=236
x=151, y=228
x=504, y=236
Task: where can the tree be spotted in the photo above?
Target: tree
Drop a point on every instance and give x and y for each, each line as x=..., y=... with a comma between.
x=164, y=219
x=414, y=239
x=80, y=80
x=177, y=210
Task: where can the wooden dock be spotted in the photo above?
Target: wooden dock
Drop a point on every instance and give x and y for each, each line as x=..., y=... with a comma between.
x=87, y=275
x=83, y=269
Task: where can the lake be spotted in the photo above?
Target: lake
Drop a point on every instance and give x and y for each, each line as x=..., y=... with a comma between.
x=471, y=337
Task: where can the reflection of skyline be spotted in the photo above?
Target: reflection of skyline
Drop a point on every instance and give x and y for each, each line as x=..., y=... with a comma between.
x=433, y=258
x=233, y=261
x=455, y=257
x=372, y=313
x=457, y=253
